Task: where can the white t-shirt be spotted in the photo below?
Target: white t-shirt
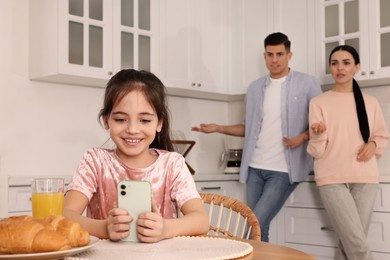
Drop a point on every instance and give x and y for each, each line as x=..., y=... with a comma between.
x=269, y=150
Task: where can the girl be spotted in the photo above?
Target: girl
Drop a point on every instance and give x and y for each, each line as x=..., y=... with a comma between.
x=135, y=114
x=347, y=134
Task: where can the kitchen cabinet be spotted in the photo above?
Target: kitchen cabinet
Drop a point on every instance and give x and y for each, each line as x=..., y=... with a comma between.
x=233, y=189
x=303, y=224
x=196, y=38
x=262, y=17
x=363, y=24
x=299, y=26
x=85, y=42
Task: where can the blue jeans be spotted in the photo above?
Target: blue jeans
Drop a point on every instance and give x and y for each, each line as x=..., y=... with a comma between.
x=267, y=191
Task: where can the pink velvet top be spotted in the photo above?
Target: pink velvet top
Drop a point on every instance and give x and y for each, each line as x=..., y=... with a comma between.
x=100, y=171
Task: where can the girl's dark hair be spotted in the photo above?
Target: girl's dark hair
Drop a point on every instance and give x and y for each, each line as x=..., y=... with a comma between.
x=359, y=101
x=128, y=80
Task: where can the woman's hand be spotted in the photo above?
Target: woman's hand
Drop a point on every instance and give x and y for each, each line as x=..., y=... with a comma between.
x=118, y=224
x=318, y=128
x=366, y=152
x=150, y=226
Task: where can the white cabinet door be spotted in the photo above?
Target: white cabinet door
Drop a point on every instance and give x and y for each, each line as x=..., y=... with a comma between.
x=70, y=43
x=379, y=39
x=212, y=40
x=363, y=24
x=257, y=24
x=299, y=26
x=262, y=17
x=176, y=46
x=194, y=42
x=85, y=42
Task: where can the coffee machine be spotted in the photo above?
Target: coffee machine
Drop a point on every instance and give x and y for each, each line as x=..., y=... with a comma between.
x=233, y=161
x=231, y=156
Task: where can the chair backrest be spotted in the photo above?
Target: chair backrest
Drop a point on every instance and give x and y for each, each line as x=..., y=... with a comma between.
x=230, y=211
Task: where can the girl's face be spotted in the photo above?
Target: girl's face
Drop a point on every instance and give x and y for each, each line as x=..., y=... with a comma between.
x=343, y=67
x=133, y=124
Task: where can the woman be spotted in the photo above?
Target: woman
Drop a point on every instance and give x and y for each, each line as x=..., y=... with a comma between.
x=347, y=134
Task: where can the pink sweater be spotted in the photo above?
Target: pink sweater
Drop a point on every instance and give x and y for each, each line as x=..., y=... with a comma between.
x=335, y=150
x=100, y=171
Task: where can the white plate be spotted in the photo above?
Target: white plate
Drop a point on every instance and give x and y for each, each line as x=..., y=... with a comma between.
x=53, y=255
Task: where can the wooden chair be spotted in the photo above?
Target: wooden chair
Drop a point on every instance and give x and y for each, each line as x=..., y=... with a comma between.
x=230, y=211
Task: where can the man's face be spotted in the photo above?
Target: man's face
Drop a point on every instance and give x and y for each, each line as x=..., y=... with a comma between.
x=276, y=59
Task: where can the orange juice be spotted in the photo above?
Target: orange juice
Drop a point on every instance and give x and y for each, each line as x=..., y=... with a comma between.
x=45, y=204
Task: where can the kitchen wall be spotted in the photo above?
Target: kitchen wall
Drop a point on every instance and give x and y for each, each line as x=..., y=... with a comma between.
x=45, y=128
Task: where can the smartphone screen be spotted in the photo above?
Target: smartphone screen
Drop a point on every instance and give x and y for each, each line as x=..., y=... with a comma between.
x=135, y=197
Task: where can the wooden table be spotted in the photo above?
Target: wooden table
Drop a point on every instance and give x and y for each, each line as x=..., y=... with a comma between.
x=269, y=251
x=166, y=249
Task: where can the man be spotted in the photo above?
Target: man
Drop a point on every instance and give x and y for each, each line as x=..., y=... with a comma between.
x=274, y=157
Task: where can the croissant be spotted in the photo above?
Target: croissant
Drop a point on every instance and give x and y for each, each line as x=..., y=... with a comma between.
x=76, y=235
x=18, y=237
x=23, y=234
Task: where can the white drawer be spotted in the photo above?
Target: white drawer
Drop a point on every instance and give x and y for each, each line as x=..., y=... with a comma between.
x=19, y=198
x=306, y=195
x=379, y=232
x=312, y=227
x=382, y=203
x=309, y=226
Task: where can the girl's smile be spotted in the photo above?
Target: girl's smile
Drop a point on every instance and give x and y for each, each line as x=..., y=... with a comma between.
x=133, y=124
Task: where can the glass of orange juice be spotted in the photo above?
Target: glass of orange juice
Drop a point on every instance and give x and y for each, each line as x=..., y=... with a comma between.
x=47, y=197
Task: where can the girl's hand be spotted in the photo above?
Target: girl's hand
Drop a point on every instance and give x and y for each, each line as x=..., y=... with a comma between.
x=150, y=226
x=118, y=224
x=318, y=128
x=366, y=151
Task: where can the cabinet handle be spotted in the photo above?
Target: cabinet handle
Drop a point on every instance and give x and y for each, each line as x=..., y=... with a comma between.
x=210, y=188
x=363, y=73
x=109, y=73
x=372, y=72
x=193, y=84
x=199, y=84
x=327, y=228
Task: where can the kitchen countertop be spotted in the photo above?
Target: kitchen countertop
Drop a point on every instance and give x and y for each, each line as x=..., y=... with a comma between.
x=236, y=177
x=382, y=178
x=26, y=180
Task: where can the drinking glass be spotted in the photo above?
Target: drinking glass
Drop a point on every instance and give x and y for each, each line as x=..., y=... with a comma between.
x=47, y=197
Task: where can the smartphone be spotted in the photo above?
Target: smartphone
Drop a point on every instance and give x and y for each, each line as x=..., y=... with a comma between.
x=136, y=198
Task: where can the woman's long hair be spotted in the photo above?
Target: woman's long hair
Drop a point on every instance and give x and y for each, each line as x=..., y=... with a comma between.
x=359, y=101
